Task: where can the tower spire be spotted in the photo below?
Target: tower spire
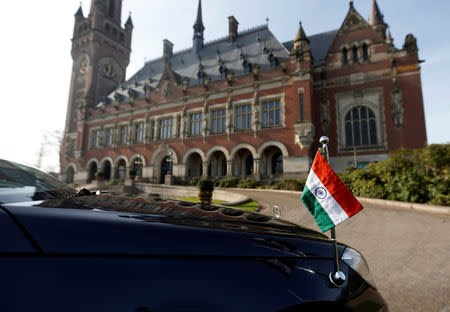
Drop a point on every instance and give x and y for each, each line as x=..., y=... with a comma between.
x=198, y=29
x=375, y=17
x=376, y=20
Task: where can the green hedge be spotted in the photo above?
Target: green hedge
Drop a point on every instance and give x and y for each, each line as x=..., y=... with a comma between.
x=290, y=184
x=420, y=176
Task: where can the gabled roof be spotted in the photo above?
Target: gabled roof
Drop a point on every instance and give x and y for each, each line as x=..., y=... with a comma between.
x=258, y=47
x=319, y=44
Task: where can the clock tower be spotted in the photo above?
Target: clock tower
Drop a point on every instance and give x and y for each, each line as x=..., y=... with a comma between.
x=101, y=52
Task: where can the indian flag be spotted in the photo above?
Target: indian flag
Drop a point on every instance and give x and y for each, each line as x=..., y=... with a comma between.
x=326, y=196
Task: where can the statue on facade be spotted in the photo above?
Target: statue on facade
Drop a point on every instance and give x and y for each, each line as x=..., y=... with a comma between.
x=229, y=117
x=255, y=108
x=397, y=104
x=324, y=112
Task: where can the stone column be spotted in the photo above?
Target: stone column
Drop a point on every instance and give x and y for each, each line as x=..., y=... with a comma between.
x=256, y=173
x=229, y=168
x=205, y=169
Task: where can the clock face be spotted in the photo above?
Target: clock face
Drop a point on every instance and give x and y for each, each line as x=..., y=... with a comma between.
x=83, y=67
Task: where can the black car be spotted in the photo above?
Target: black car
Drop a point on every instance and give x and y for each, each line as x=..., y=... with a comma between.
x=66, y=251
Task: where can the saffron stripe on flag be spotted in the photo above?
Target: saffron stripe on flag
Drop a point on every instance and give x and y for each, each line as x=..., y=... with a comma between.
x=335, y=186
x=334, y=210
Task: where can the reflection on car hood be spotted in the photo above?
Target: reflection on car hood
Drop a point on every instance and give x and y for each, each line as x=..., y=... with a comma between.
x=148, y=225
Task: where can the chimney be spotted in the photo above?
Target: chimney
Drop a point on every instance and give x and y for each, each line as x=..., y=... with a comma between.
x=168, y=49
x=232, y=28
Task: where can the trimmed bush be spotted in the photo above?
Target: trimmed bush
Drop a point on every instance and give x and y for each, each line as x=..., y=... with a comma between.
x=194, y=181
x=248, y=183
x=205, y=185
x=290, y=184
x=229, y=182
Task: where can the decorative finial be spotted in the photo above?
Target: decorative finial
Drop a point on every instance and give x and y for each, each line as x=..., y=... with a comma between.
x=351, y=4
x=267, y=20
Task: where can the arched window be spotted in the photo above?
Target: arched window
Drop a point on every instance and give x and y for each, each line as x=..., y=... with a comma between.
x=355, y=54
x=365, y=52
x=360, y=127
x=345, y=56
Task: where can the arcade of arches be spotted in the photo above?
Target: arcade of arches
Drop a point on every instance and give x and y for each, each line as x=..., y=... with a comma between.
x=244, y=161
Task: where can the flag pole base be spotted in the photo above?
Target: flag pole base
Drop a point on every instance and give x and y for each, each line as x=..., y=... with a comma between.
x=337, y=278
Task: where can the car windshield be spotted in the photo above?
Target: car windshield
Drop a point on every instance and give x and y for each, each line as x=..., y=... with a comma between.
x=19, y=183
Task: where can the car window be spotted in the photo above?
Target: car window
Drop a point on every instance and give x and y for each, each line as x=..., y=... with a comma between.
x=19, y=183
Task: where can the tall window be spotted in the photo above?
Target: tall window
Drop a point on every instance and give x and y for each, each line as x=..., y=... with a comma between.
x=345, y=56
x=95, y=139
x=179, y=127
x=302, y=106
x=109, y=137
x=360, y=127
x=196, y=124
x=271, y=113
x=139, y=133
x=123, y=135
x=165, y=128
x=355, y=55
x=365, y=52
x=218, y=121
x=243, y=117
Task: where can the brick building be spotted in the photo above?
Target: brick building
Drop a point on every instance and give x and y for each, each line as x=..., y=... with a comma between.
x=243, y=105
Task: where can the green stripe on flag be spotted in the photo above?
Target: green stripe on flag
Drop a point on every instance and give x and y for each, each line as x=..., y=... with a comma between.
x=319, y=214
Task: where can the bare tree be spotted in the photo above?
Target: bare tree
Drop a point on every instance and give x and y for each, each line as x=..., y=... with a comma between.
x=49, y=151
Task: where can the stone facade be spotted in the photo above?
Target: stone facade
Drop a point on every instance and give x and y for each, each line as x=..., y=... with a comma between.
x=243, y=105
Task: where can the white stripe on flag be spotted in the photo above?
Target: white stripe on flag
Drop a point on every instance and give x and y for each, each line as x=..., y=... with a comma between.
x=329, y=204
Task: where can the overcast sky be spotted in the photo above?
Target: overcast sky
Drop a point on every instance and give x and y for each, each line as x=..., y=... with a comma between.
x=36, y=62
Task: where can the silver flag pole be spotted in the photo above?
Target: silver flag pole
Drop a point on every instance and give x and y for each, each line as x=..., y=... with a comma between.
x=337, y=277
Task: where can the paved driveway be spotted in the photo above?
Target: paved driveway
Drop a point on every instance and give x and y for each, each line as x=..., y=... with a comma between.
x=408, y=252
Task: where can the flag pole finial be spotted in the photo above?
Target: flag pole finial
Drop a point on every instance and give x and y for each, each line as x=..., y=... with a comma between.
x=337, y=277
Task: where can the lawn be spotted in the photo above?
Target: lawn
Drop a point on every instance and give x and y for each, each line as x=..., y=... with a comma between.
x=249, y=206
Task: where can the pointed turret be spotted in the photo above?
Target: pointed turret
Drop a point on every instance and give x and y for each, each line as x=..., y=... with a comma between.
x=79, y=13
x=301, y=42
x=375, y=17
x=376, y=20
x=389, y=38
x=301, y=36
x=129, y=23
x=198, y=29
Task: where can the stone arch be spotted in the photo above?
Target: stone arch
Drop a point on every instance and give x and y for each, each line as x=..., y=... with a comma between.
x=92, y=169
x=105, y=159
x=218, y=148
x=161, y=152
x=90, y=161
x=158, y=156
x=118, y=158
x=194, y=150
x=235, y=149
x=135, y=156
x=106, y=165
x=69, y=173
x=120, y=165
x=278, y=144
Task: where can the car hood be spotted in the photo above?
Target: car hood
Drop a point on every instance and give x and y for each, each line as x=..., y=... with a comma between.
x=110, y=224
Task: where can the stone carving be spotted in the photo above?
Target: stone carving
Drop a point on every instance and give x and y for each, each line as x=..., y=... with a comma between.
x=324, y=112
x=397, y=104
x=205, y=120
x=255, y=119
x=183, y=123
x=410, y=44
x=229, y=117
x=304, y=134
x=229, y=77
